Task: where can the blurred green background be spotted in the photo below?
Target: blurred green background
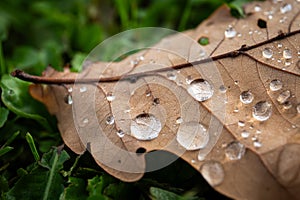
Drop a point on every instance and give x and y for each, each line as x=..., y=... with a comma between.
x=34, y=34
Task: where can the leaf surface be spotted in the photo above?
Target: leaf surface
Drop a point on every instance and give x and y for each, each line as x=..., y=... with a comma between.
x=269, y=169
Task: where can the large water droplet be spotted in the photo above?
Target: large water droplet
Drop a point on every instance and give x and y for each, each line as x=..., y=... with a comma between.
x=262, y=111
x=110, y=120
x=284, y=96
x=275, y=85
x=200, y=89
x=286, y=8
x=246, y=97
x=267, y=53
x=145, y=127
x=235, y=150
x=192, y=136
x=287, y=54
x=69, y=99
x=230, y=32
x=213, y=172
x=110, y=96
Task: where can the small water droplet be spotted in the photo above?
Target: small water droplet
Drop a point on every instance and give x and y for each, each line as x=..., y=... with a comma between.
x=279, y=45
x=287, y=105
x=298, y=108
x=110, y=96
x=203, y=41
x=201, y=157
x=83, y=89
x=120, y=133
x=257, y=144
x=70, y=89
x=192, y=135
x=245, y=134
x=85, y=121
x=145, y=127
x=200, y=89
x=275, y=85
x=235, y=150
x=262, y=111
x=236, y=110
x=148, y=93
x=69, y=99
x=156, y=101
x=236, y=82
x=241, y=123
x=110, y=120
x=267, y=53
x=283, y=96
x=286, y=8
x=287, y=54
x=179, y=120
x=171, y=76
x=246, y=97
x=189, y=79
x=230, y=32
x=193, y=161
x=213, y=172
x=222, y=88
x=257, y=8
x=141, y=58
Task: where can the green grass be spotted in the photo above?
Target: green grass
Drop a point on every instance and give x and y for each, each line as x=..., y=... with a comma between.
x=34, y=34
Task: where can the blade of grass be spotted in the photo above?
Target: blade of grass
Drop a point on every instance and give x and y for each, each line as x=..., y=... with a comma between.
x=5, y=150
x=185, y=16
x=122, y=7
x=32, y=147
x=10, y=139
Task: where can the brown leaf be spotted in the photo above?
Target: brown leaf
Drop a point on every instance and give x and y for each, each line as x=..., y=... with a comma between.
x=218, y=125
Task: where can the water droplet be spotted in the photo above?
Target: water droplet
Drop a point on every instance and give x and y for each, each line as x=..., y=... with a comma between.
x=241, y=123
x=222, y=88
x=286, y=8
x=287, y=105
x=188, y=79
x=145, y=127
x=203, y=41
x=201, y=157
x=83, y=89
x=148, y=93
x=235, y=150
x=193, y=161
x=213, y=172
x=245, y=134
x=68, y=99
x=267, y=53
x=110, y=96
x=171, y=76
x=70, y=89
x=298, y=108
x=279, y=45
x=262, y=111
x=287, y=54
x=192, y=135
x=257, y=8
x=275, y=85
x=230, y=32
x=156, y=101
x=110, y=120
x=141, y=58
x=179, y=120
x=236, y=82
x=85, y=121
x=283, y=96
x=236, y=110
x=257, y=144
x=200, y=89
x=246, y=97
x=120, y=133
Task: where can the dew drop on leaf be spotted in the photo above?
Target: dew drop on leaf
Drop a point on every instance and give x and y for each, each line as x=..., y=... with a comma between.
x=246, y=97
x=213, y=172
x=230, y=32
x=241, y=123
x=284, y=96
x=70, y=89
x=222, y=88
x=287, y=54
x=267, y=53
x=203, y=41
x=171, y=76
x=145, y=127
x=262, y=111
x=200, y=89
x=275, y=85
x=257, y=144
x=235, y=150
x=286, y=8
x=188, y=79
x=245, y=134
x=85, y=121
x=120, y=133
x=110, y=120
x=110, y=96
x=257, y=8
x=192, y=135
x=69, y=99
x=83, y=89
x=179, y=120
x=287, y=105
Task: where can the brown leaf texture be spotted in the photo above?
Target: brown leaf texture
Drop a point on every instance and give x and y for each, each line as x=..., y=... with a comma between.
x=210, y=134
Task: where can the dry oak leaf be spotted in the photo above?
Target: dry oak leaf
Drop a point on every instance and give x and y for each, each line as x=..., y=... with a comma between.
x=238, y=124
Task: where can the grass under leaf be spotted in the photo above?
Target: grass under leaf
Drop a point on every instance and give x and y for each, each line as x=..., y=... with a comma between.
x=34, y=34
